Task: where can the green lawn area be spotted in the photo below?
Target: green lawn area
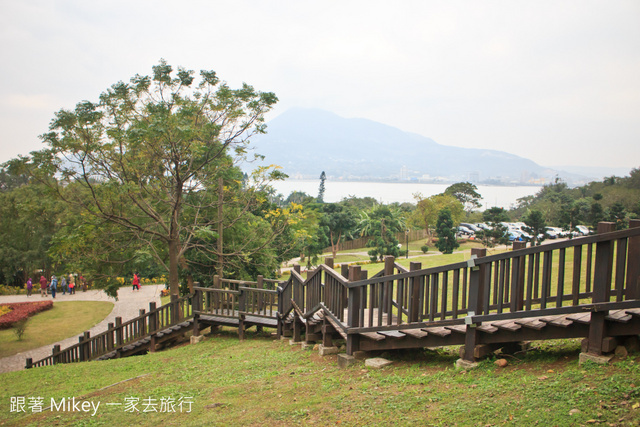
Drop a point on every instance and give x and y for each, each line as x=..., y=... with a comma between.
x=264, y=381
x=64, y=320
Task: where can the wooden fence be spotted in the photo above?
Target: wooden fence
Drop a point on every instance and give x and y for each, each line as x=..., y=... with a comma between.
x=121, y=334
x=596, y=278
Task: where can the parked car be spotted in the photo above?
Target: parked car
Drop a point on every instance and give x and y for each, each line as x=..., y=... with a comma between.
x=516, y=236
x=551, y=233
x=462, y=230
x=583, y=229
x=471, y=227
x=483, y=226
x=559, y=231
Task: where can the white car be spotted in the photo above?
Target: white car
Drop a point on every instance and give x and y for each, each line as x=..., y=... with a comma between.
x=583, y=229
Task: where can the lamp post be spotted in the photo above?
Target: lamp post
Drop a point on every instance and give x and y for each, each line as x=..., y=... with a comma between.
x=406, y=241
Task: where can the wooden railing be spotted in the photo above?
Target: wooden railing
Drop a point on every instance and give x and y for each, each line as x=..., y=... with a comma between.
x=595, y=274
x=590, y=274
x=119, y=334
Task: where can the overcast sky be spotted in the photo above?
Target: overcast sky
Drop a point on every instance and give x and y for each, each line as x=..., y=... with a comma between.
x=554, y=81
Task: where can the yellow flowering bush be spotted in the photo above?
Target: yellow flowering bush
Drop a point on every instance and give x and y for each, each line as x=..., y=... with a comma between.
x=143, y=281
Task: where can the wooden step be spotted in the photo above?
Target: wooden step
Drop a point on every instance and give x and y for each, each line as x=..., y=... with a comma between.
x=620, y=316
x=635, y=312
x=392, y=334
x=584, y=318
x=560, y=321
x=415, y=333
x=437, y=331
x=487, y=328
x=373, y=336
x=461, y=329
x=532, y=323
x=507, y=325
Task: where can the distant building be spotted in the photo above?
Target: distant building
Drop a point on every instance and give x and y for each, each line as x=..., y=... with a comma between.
x=404, y=173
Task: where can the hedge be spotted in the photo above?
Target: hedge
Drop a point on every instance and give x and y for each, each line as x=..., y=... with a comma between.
x=22, y=310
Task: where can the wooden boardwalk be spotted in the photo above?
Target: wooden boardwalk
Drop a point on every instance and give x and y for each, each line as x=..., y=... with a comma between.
x=586, y=288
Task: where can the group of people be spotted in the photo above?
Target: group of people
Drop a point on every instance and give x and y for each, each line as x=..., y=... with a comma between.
x=64, y=283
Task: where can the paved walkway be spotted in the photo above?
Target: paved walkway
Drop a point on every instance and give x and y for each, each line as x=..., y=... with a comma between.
x=127, y=306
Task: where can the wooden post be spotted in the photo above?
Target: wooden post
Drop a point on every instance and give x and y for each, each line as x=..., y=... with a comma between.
x=87, y=345
x=389, y=267
x=56, y=354
x=476, y=291
x=196, y=302
x=260, y=296
x=110, y=345
x=153, y=326
x=519, y=245
x=414, y=294
x=328, y=261
x=633, y=264
x=327, y=333
x=601, y=285
x=280, y=312
x=260, y=285
x=344, y=272
x=153, y=317
x=142, y=323
x=353, y=309
x=119, y=335
x=174, y=309
x=297, y=329
x=29, y=364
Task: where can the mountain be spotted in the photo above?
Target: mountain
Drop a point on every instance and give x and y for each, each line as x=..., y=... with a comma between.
x=306, y=142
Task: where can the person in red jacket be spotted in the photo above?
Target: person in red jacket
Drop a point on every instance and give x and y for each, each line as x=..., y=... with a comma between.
x=136, y=282
x=43, y=286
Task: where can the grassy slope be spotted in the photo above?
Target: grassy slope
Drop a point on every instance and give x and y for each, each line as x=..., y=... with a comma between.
x=264, y=381
x=65, y=319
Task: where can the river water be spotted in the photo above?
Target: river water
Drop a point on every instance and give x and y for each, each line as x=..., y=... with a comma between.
x=391, y=192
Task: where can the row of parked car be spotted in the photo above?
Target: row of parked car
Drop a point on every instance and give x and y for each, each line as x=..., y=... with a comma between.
x=516, y=231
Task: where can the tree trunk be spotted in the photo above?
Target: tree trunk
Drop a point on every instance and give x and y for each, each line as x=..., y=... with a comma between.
x=334, y=247
x=174, y=283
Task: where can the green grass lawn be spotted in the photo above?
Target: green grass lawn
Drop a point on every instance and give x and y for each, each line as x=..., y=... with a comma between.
x=264, y=381
x=64, y=320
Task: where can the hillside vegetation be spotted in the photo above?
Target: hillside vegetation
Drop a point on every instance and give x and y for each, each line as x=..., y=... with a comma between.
x=264, y=381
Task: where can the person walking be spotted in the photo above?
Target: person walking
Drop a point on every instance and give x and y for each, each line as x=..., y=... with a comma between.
x=54, y=286
x=29, y=287
x=136, y=282
x=43, y=286
x=72, y=285
x=63, y=284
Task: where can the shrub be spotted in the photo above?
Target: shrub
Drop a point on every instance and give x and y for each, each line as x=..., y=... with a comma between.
x=22, y=310
x=424, y=249
x=11, y=290
x=19, y=327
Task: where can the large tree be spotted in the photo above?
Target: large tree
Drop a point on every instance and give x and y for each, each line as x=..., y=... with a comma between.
x=381, y=224
x=146, y=153
x=29, y=218
x=427, y=210
x=467, y=194
x=338, y=221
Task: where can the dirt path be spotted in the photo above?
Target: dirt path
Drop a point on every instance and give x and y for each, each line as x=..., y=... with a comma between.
x=127, y=306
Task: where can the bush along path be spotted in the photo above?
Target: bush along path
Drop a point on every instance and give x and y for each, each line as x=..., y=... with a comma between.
x=126, y=306
x=22, y=310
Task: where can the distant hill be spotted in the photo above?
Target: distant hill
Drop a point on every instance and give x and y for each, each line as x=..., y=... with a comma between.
x=306, y=142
